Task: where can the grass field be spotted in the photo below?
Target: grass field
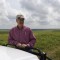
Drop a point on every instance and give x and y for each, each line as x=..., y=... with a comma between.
x=47, y=40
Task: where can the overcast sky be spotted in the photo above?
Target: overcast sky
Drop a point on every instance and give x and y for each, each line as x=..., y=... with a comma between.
x=39, y=14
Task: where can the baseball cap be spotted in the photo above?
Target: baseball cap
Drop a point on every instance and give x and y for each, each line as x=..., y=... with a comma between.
x=20, y=17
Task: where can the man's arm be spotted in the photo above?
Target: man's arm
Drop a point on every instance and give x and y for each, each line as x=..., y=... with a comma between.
x=32, y=39
x=11, y=40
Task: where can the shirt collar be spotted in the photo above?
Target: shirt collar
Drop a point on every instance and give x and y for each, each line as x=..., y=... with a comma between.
x=22, y=28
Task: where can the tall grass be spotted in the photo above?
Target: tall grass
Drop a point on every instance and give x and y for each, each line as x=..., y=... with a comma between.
x=46, y=40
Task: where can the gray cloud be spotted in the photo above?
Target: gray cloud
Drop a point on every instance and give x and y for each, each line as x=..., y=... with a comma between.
x=47, y=11
x=37, y=10
x=38, y=13
x=53, y=3
x=7, y=15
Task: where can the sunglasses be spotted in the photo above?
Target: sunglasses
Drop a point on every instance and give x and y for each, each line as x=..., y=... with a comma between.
x=21, y=19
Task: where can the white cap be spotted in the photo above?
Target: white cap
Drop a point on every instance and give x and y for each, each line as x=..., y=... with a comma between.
x=19, y=16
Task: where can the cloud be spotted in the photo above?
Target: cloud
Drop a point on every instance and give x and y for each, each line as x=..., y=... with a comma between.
x=46, y=11
x=7, y=15
x=38, y=13
x=3, y=12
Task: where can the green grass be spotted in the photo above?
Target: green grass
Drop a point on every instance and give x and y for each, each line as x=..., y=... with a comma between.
x=47, y=40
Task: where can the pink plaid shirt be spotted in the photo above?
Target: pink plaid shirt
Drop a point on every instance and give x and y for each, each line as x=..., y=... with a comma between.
x=24, y=36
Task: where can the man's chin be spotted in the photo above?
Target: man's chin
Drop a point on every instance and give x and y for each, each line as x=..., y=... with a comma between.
x=20, y=27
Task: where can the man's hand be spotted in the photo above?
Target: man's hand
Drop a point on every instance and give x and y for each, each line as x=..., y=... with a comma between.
x=25, y=45
x=18, y=45
x=22, y=45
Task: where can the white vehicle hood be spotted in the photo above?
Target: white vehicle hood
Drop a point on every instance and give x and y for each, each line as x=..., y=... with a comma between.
x=7, y=53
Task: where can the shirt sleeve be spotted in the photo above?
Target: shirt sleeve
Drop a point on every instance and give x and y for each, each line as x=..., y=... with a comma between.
x=11, y=40
x=32, y=39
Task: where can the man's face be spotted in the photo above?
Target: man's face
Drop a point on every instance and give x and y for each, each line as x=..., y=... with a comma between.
x=20, y=22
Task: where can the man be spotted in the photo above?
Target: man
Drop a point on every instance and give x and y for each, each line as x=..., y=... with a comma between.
x=21, y=36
